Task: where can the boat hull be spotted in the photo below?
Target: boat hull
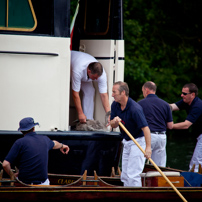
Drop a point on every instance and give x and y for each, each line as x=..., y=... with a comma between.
x=98, y=194
x=93, y=188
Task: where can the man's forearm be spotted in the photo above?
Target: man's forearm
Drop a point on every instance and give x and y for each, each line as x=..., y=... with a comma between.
x=57, y=145
x=105, y=101
x=77, y=102
x=182, y=125
x=6, y=166
x=173, y=107
x=147, y=135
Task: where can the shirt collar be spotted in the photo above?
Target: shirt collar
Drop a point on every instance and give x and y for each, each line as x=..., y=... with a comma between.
x=194, y=100
x=151, y=95
x=31, y=133
x=128, y=103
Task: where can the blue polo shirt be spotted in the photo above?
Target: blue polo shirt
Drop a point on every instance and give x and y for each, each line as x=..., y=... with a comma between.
x=157, y=112
x=132, y=118
x=30, y=155
x=194, y=113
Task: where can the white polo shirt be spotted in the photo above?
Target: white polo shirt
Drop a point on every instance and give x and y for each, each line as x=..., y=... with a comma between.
x=79, y=64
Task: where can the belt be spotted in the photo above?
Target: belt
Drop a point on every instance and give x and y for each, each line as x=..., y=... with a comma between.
x=161, y=132
x=134, y=137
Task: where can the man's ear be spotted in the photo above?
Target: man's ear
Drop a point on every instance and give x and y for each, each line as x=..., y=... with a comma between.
x=193, y=94
x=147, y=91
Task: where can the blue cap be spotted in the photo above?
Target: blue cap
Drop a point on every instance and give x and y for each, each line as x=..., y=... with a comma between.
x=26, y=124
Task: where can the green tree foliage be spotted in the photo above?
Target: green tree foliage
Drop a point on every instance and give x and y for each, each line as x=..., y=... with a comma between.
x=162, y=44
x=73, y=4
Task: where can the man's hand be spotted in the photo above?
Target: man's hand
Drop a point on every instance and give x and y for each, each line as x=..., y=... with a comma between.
x=64, y=149
x=148, y=152
x=115, y=122
x=82, y=118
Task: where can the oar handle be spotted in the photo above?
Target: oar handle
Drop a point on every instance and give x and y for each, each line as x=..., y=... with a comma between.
x=157, y=168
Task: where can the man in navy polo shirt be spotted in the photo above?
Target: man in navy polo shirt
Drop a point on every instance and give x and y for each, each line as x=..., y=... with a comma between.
x=159, y=118
x=30, y=154
x=131, y=115
x=193, y=106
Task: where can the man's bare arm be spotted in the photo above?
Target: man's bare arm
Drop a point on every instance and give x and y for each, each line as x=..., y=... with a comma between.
x=170, y=125
x=105, y=101
x=182, y=125
x=7, y=166
x=147, y=135
x=77, y=103
x=174, y=107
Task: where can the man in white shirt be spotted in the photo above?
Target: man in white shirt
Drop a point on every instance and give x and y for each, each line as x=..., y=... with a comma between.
x=84, y=69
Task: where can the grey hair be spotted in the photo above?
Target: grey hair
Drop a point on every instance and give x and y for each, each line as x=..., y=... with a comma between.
x=123, y=86
x=150, y=85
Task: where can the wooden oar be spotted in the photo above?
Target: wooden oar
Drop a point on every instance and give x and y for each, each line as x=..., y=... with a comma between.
x=157, y=168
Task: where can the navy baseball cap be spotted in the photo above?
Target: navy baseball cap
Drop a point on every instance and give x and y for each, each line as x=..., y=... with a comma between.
x=26, y=124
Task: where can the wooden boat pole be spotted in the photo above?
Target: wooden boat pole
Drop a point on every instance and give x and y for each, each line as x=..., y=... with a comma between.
x=157, y=168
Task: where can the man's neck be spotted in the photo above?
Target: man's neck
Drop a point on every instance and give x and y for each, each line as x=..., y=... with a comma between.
x=124, y=103
x=190, y=101
x=149, y=93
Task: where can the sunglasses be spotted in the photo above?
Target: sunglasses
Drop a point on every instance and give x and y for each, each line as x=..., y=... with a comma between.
x=185, y=93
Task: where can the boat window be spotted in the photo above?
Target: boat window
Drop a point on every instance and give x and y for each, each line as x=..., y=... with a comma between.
x=17, y=15
x=97, y=15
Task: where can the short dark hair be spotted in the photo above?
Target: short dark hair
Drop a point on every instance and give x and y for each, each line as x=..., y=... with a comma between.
x=150, y=85
x=95, y=68
x=123, y=86
x=192, y=88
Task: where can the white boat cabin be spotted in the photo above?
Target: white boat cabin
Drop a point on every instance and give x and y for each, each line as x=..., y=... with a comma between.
x=35, y=45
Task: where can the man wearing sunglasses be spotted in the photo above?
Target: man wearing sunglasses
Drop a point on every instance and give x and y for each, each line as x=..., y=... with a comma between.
x=193, y=106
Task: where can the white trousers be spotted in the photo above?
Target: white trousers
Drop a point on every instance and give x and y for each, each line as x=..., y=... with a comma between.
x=47, y=182
x=158, y=146
x=88, y=99
x=197, y=155
x=133, y=161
